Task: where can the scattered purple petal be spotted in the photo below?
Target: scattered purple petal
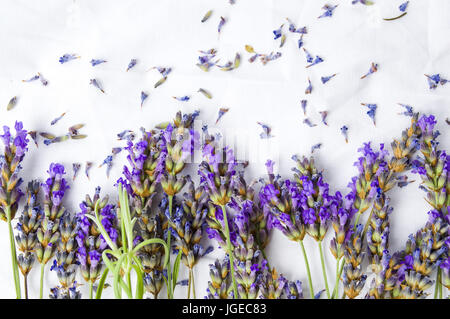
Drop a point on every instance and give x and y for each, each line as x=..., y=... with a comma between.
x=68, y=57
x=344, y=131
x=95, y=83
x=95, y=62
x=325, y=79
x=373, y=69
x=132, y=64
x=53, y=122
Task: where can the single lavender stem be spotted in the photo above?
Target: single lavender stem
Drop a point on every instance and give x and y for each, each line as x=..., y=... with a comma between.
x=324, y=271
x=41, y=285
x=91, y=284
x=308, y=271
x=13, y=253
x=230, y=251
x=25, y=285
x=189, y=284
x=338, y=276
x=191, y=275
x=169, y=269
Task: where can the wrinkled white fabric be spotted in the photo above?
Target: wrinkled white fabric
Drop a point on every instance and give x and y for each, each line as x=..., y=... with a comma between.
x=169, y=33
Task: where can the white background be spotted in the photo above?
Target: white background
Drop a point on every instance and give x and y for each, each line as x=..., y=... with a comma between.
x=34, y=34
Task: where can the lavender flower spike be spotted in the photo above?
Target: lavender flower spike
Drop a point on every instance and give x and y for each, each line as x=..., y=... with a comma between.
x=10, y=193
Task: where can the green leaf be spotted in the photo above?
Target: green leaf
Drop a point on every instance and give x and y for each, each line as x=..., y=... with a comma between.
x=176, y=268
x=139, y=283
x=101, y=284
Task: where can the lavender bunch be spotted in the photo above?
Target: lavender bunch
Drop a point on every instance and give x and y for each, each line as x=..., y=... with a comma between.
x=65, y=263
x=189, y=223
x=353, y=277
x=27, y=226
x=91, y=243
x=283, y=199
x=10, y=193
x=48, y=232
x=217, y=172
x=315, y=204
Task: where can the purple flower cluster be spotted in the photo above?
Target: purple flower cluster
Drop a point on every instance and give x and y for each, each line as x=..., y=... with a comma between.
x=15, y=148
x=91, y=243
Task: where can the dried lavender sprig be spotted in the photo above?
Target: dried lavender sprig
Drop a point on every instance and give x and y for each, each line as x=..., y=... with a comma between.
x=146, y=163
x=27, y=226
x=48, y=232
x=219, y=287
x=188, y=223
x=90, y=242
x=281, y=199
x=433, y=167
x=422, y=255
x=217, y=173
x=10, y=193
x=65, y=263
x=178, y=141
x=353, y=277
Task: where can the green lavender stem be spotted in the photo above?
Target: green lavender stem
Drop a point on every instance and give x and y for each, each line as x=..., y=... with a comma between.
x=338, y=276
x=191, y=283
x=324, y=271
x=13, y=253
x=230, y=251
x=308, y=271
x=169, y=268
x=91, y=284
x=41, y=285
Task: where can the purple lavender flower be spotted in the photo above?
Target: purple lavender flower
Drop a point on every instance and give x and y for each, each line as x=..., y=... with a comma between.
x=144, y=96
x=278, y=32
x=95, y=62
x=371, y=112
x=68, y=57
x=95, y=83
x=303, y=104
x=344, y=131
x=329, y=9
x=403, y=6
x=317, y=60
x=34, y=78
x=266, y=131
x=408, y=110
x=373, y=69
x=184, y=98
x=309, y=57
x=132, y=64
x=56, y=120
x=308, y=122
x=325, y=79
x=91, y=243
x=308, y=89
x=221, y=24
